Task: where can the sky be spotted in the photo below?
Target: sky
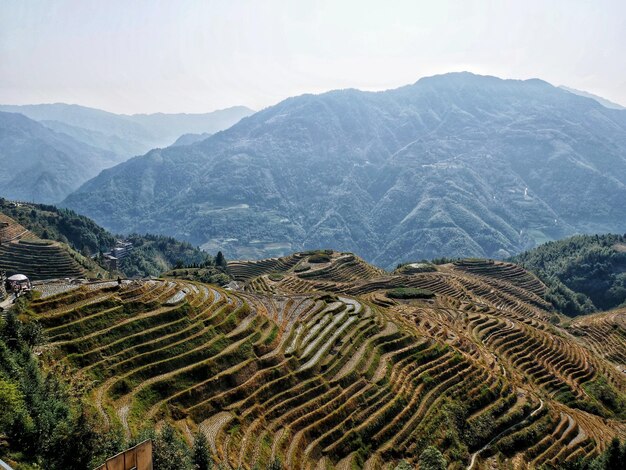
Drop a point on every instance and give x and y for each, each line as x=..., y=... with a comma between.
x=143, y=56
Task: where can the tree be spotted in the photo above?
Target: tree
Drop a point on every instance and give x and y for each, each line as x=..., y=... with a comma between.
x=32, y=334
x=11, y=403
x=220, y=260
x=615, y=456
x=201, y=455
x=432, y=459
x=11, y=330
x=169, y=451
x=404, y=465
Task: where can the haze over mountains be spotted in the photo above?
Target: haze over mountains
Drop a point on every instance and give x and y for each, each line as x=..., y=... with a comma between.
x=603, y=101
x=126, y=135
x=453, y=165
x=42, y=165
x=51, y=149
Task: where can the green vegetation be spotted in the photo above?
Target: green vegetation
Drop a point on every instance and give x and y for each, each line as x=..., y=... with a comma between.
x=403, y=465
x=583, y=273
x=207, y=274
x=45, y=261
x=43, y=421
x=432, y=459
x=153, y=254
x=350, y=374
x=611, y=459
x=410, y=293
x=64, y=225
x=201, y=455
x=606, y=394
x=416, y=267
x=320, y=256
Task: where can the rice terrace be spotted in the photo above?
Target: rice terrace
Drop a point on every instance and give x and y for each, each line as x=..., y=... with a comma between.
x=322, y=361
x=312, y=235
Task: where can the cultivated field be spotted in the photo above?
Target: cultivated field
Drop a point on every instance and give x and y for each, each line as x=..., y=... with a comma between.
x=313, y=362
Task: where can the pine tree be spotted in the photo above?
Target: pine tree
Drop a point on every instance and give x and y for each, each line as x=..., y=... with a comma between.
x=201, y=455
x=615, y=457
x=169, y=451
x=220, y=260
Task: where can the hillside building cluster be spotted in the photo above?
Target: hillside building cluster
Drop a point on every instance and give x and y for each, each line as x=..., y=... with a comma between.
x=121, y=250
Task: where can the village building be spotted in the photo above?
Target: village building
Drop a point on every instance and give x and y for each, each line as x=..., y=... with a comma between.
x=18, y=284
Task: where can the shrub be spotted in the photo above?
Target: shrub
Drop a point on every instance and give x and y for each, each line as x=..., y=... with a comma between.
x=410, y=293
x=319, y=258
x=403, y=465
x=432, y=459
x=414, y=268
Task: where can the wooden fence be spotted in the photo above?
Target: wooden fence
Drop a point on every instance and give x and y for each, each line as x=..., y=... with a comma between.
x=135, y=458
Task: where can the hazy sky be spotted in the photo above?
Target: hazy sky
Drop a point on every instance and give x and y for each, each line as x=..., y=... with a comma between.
x=194, y=56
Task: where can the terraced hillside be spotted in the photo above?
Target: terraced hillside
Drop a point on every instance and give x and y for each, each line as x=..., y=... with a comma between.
x=604, y=333
x=39, y=260
x=10, y=230
x=23, y=252
x=313, y=362
x=314, y=268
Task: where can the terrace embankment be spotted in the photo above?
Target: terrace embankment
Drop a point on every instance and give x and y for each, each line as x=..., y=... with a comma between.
x=314, y=362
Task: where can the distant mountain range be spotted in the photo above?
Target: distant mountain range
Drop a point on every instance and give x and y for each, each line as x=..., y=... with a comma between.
x=126, y=135
x=454, y=165
x=603, y=101
x=188, y=139
x=51, y=149
x=43, y=165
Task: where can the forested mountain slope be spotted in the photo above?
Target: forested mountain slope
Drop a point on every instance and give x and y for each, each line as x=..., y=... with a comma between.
x=454, y=165
x=584, y=273
x=151, y=255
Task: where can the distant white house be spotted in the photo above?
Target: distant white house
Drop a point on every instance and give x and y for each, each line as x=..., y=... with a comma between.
x=18, y=284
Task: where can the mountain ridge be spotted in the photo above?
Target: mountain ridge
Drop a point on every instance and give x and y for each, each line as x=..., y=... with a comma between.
x=44, y=165
x=139, y=132
x=481, y=162
x=603, y=101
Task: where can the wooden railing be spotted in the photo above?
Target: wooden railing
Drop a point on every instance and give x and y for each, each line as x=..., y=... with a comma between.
x=135, y=458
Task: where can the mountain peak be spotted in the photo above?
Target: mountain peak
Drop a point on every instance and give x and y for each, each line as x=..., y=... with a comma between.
x=454, y=165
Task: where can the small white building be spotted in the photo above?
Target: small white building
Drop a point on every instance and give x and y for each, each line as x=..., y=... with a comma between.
x=18, y=283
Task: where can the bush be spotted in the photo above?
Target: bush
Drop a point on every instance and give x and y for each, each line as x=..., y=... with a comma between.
x=432, y=459
x=319, y=258
x=414, y=268
x=410, y=293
